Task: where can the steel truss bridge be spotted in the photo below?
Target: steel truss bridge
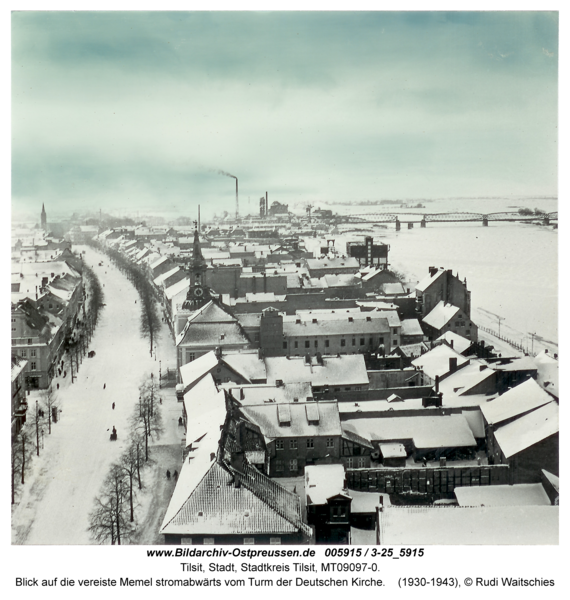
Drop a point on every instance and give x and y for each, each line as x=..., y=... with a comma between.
x=452, y=217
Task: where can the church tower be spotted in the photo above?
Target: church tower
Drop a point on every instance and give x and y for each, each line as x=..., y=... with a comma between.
x=198, y=293
x=43, y=218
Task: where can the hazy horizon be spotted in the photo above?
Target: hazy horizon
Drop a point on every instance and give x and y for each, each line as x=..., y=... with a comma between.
x=140, y=110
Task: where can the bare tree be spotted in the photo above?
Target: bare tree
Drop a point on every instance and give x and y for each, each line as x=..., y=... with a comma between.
x=147, y=418
x=110, y=518
x=49, y=402
x=131, y=464
x=22, y=446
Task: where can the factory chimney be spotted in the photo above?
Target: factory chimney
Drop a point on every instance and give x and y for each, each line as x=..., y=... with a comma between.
x=266, y=205
x=237, y=200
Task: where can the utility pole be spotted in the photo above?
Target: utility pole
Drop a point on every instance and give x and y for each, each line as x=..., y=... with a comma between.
x=500, y=319
x=532, y=335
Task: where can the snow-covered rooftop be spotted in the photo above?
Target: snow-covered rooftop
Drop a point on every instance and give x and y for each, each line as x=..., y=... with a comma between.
x=456, y=341
x=528, y=430
x=323, y=482
x=454, y=525
x=524, y=494
x=441, y=431
x=521, y=399
x=196, y=369
x=441, y=314
x=436, y=361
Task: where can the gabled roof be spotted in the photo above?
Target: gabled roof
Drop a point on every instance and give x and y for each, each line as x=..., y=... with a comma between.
x=411, y=327
x=272, y=418
x=177, y=288
x=212, y=334
x=456, y=341
x=441, y=314
x=247, y=364
x=423, y=285
x=193, y=371
x=436, y=361
x=158, y=280
x=211, y=313
x=528, y=430
x=521, y=399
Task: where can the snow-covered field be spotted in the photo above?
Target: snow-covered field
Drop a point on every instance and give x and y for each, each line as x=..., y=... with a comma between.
x=59, y=491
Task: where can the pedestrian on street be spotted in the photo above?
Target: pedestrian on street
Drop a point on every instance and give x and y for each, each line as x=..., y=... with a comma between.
x=58, y=386
x=179, y=421
x=175, y=475
x=113, y=406
x=167, y=474
x=160, y=400
x=104, y=386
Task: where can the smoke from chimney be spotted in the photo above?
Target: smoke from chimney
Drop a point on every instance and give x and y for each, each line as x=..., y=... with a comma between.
x=226, y=174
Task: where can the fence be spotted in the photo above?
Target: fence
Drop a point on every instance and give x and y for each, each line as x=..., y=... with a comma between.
x=427, y=480
x=512, y=343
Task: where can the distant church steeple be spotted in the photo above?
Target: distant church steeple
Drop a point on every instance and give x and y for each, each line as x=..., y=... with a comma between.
x=44, y=218
x=198, y=292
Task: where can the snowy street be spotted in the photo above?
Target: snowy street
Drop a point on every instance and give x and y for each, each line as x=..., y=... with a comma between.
x=62, y=483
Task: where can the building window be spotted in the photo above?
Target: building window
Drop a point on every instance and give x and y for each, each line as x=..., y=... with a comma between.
x=349, y=462
x=296, y=344
x=353, y=341
x=362, y=341
x=310, y=443
x=187, y=541
x=256, y=337
x=395, y=342
x=274, y=541
x=284, y=345
x=279, y=466
x=190, y=356
x=330, y=443
x=248, y=541
x=369, y=318
x=33, y=352
x=316, y=343
x=279, y=445
x=208, y=541
x=307, y=344
x=29, y=341
x=380, y=340
x=293, y=444
x=361, y=462
x=33, y=366
x=327, y=343
x=293, y=465
x=23, y=353
x=343, y=342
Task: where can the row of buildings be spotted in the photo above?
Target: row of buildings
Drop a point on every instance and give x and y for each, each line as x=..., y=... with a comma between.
x=309, y=416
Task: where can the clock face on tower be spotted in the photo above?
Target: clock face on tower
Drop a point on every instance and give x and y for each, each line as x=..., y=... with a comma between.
x=198, y=292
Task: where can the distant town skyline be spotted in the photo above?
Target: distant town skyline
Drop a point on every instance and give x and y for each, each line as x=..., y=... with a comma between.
x=143, y=109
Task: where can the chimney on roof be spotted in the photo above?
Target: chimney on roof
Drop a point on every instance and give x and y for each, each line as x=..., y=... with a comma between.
x=307, y=359
x=452, y=364
x=436, y=384
x=432, y=271
x=218, y=352
x=279, y=382
x=451, y=343
x=241, y=394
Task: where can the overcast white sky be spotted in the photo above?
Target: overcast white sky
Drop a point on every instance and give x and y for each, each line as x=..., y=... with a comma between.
x=124, y=110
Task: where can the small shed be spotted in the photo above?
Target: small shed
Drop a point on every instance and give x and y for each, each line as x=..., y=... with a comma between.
x=393, y=455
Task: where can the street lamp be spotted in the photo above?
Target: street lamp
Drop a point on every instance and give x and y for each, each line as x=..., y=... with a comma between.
x=42, y=439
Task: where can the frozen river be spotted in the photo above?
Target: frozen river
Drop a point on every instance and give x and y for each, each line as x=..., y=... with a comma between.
x=511, y=270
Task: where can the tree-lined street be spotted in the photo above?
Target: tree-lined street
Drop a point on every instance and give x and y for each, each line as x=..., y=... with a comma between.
x=65, y=479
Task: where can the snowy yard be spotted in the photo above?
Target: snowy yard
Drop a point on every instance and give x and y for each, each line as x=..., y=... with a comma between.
x=60, y=488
